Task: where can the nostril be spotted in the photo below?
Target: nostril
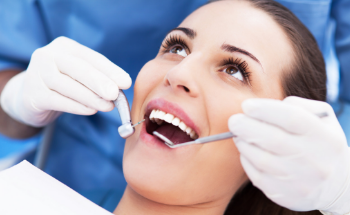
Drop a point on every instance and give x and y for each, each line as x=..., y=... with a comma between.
x=186, y=89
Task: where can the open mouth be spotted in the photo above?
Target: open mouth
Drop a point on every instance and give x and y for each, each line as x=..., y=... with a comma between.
x=169, y=126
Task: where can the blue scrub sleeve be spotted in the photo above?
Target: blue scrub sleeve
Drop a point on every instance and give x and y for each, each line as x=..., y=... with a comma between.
x=13, y=150
x=22, y=30
x=341, y=14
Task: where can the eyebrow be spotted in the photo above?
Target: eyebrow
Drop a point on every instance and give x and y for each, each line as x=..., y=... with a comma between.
x=231, y=49
x=189, y=32
x=226, y=47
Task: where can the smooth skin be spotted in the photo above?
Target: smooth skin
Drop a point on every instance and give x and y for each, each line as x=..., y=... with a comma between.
x=201, y=179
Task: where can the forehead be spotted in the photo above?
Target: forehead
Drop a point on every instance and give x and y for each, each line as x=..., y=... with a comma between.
x=240, y=24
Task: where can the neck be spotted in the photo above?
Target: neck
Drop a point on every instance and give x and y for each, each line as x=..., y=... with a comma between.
x=133, y=203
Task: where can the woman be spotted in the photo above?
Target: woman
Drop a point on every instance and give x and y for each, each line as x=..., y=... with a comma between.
x=221, y=55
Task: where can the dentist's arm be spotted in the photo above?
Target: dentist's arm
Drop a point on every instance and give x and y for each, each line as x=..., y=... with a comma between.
x=63, y=76
x=300, y=161
x=8, y=126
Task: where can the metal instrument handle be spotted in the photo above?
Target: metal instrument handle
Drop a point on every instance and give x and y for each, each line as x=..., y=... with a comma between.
x=121, y=103
x=215, y=137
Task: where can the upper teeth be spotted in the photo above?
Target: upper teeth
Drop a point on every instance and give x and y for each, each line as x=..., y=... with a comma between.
x=159, y=116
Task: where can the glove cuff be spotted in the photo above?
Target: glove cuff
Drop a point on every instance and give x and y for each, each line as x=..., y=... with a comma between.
x=9, y=96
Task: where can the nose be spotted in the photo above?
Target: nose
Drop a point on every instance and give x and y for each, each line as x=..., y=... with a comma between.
x=182, y=77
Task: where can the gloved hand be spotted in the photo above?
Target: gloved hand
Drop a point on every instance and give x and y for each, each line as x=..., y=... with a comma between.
x=63, y=76
x=300, y=161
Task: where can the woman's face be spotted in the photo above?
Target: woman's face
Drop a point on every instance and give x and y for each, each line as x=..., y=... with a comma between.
x=219, y=56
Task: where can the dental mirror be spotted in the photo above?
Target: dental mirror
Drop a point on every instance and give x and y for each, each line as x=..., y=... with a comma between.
x=208, y=139
x=211, y=138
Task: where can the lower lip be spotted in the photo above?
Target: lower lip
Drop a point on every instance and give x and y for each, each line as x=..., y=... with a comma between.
x=151, y=140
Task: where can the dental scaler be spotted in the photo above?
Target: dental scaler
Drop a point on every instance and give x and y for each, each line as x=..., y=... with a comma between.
x=122, y=104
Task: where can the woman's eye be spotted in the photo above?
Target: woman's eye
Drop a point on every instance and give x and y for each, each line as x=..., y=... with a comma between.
x=179, y=50
x=234, y=72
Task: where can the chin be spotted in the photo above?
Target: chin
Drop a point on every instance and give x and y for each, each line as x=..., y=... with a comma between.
x=152, y=182
x=158, y=176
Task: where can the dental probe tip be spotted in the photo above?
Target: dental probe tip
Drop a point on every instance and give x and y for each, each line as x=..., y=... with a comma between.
x=138, y=123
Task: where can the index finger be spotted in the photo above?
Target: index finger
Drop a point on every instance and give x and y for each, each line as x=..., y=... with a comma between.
x=291, y=118
x=97, y=60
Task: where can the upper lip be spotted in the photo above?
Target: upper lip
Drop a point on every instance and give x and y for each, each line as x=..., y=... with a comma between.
x=174, y=109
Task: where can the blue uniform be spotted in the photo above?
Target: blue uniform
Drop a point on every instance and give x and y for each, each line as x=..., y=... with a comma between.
x=86, y=151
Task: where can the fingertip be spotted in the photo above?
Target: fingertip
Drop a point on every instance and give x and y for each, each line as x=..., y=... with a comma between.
x=235, y=119
x=107, y=106
x=293, y=99
x=250, y=105
x=111, y=91
x=239, y=142
x=121, y=78
x=88, y=111
x=125, y=82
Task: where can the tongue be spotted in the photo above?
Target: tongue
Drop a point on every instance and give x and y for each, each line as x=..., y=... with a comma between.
x=173, y=133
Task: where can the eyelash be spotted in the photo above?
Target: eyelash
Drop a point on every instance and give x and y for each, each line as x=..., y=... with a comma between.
x=176, y=40
x=240, y=64
x=171, y=41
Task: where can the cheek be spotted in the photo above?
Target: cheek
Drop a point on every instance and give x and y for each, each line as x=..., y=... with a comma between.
x=270, y=85
x=222, y=105
x=150, y=76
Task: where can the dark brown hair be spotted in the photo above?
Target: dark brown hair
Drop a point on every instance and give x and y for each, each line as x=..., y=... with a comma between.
x=249, y=200
x=305, y=77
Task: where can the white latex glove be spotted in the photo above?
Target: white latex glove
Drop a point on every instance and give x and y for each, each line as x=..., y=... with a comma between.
x=300, y=161
x=63, y=76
